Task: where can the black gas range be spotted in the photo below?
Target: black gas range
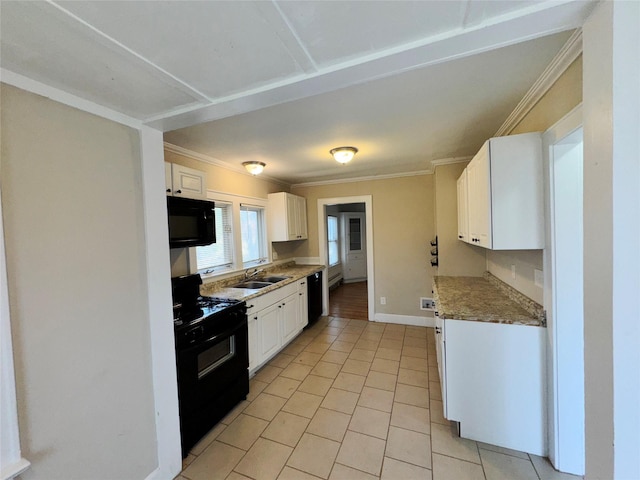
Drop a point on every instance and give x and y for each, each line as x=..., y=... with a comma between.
x=212, y=357
x=198, y=311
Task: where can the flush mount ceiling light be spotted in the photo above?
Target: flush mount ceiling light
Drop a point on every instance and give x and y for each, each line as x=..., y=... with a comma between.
x=343, y=154
x=254, y=168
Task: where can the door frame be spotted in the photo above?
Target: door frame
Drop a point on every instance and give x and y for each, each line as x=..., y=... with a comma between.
x=324, y=254
x=559, y=448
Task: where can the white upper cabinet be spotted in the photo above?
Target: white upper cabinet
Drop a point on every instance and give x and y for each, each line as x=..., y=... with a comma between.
x=184, y=181
x=504, y=194
x=287, y=215
x=463, y=214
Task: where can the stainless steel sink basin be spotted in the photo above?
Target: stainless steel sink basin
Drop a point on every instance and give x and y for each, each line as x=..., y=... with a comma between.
x=253, y=285
x=273, y=279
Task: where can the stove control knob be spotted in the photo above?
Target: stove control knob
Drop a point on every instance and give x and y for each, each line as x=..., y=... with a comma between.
x=193, y=335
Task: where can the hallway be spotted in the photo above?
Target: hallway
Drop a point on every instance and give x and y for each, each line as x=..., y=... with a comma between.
x=349, y=300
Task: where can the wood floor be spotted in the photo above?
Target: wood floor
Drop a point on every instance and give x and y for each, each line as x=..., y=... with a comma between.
x=349, y=300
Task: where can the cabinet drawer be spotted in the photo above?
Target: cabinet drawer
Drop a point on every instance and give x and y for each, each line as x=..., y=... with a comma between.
x=267, y=299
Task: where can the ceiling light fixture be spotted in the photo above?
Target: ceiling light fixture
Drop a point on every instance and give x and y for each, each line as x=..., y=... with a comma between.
x=253, y=167
x=343, y=154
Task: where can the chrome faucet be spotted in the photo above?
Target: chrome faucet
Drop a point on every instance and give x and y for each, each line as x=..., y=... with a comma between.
x=256, y=271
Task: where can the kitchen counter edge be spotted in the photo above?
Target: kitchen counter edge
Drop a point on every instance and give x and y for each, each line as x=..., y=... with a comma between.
x=295, y=272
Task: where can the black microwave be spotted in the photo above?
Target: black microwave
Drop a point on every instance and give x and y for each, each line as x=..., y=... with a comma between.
x=191, y=222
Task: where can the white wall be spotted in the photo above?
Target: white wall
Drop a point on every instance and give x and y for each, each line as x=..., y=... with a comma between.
x=74, y=233
x=612, y=240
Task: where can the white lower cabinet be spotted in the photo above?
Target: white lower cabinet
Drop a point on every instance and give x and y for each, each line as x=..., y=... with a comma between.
x=442, y=371
x=252, y=326
x=269, y=326
x=492, y=378
x=274, y=319
x=289, y=318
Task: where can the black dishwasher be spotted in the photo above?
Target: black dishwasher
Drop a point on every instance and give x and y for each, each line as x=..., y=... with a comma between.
x=314, y=297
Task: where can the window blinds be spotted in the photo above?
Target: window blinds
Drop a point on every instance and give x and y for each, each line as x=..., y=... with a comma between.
x=219, y=255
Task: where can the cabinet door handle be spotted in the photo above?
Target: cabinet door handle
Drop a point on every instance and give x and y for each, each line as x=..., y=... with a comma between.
x=251, y=306
x=168, y=190
x=438, y=331
x=302, y=283
x=178, y=191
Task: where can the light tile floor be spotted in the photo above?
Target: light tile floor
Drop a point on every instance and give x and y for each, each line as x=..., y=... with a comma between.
x=350, y=400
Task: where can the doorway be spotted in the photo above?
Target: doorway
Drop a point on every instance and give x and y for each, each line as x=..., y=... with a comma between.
x=345, y=237
x=563, y=293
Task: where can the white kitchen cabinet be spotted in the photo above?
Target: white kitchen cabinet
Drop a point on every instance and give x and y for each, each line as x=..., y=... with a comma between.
x=274, y=319
x=493, y=381
x=254, y=339
x=479, y=199
x=441, y=360
x=269, y=325
x=287, y=217
x=183, y=181
x=505, y=194
x=289, y=318
x=463, y=213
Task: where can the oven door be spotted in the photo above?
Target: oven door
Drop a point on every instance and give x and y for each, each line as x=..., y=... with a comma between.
x=209, y=367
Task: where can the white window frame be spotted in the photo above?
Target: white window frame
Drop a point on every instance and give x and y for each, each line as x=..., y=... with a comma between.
x=238, y=264
x=262, y=234
x=337, y=240
x=223, y=268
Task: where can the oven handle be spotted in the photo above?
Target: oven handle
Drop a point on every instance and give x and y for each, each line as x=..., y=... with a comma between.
x=215, y=338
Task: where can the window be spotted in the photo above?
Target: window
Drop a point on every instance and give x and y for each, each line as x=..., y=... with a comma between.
x=332, y=236
x=241, y=236
x=218, y=256
x=253, y=237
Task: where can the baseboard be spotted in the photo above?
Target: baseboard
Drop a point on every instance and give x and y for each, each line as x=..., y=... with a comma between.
x=405, y=320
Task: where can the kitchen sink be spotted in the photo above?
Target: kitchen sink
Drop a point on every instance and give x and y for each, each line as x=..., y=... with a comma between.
x=252, y=285
x=273, y=279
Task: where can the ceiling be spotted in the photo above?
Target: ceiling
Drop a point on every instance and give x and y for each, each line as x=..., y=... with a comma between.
x=407, y=82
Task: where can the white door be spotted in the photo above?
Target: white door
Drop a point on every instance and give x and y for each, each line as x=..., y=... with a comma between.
x=564, y=302
x=355, y=250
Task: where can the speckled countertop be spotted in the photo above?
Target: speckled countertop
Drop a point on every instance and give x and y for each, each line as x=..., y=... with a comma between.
x=484, y=299
x=222, y=288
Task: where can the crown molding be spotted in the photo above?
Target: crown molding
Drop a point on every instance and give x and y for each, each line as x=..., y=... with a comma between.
x=368, y=178
x=565, y=57
x=449, y=161
x=170, y=147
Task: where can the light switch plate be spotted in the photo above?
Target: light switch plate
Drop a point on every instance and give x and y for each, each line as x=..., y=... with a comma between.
x=538, y=278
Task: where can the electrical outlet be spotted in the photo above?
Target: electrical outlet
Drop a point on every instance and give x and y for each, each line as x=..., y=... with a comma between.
x=427, y=304
x=383, y=300
x=513, y=271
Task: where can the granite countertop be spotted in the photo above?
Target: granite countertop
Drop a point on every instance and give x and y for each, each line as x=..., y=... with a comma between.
x=222, y=288
x=484, y=299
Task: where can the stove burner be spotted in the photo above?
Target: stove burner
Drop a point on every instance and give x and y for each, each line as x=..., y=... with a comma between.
x=203, y=307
